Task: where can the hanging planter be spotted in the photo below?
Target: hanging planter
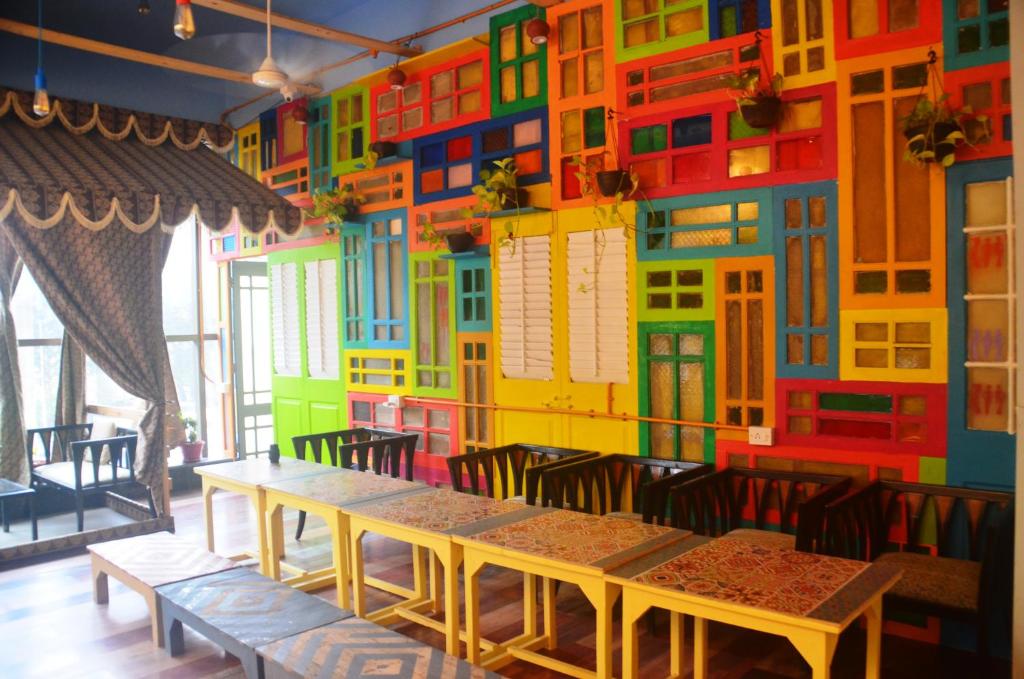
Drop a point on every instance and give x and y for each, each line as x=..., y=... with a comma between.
x=460, y=241
x=757, y=95
x=762, y=111
x=612, y=182
x=934, y=129
x=338, y=205
x=384, y=149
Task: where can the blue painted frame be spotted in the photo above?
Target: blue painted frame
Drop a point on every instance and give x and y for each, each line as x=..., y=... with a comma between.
x=268, y=139
x=483, y=262
x=358, y=235
x=663, y=206
x=975, y=459
x=319, y=126
x=780, y=194
x=951, y=25
x=715, y=7
x=478, y=158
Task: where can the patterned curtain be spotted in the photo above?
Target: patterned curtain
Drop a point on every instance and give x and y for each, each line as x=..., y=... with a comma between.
x=12, y=429
x=71, y=384
x=105, y=288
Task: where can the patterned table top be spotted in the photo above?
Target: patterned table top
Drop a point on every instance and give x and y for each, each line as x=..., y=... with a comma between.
x=259, y=471
x=345, y=487
x=778, y=580
x=444, y=511
x=250, y=608
x=600, y=542
x=161, y=558
x=355, y=648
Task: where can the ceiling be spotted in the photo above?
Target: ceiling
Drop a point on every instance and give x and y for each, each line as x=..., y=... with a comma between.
x=221, y=40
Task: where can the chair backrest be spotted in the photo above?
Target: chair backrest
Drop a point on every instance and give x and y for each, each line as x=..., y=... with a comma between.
x=918, y=517
x=122, y=460
x=125, y=431
x=496, y=465
x=610, y=483
x=323, y=445
x=362, y=448
x=789, y=502
x=55, y=440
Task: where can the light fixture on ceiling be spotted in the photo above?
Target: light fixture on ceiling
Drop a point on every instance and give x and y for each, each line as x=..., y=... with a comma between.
x=396, y=78
x=184, y=23
x=41, y=100
x=537, y=30
x=144, y=7
x=269, y=74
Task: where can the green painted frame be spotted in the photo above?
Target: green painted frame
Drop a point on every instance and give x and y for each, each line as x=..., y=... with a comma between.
x=707, y=287
x=517, y=17
x=703, y=328
x=319, y=404
x=663, y=44
x=342, y=167
x=431, y=279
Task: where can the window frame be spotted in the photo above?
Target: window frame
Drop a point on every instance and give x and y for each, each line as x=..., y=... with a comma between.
x=518, y=17
x=349, y=95
x=354, y=362
x=434, y=281
x=468, y=412
x=803, y=45
x=662, y=44
x=285, y=119
x=928, y=31
x=848, y=344
x=764, y=17
x=986, y=54
x=706, y=312
x=999, y=113
x=483, y=296
x=319, y=132
x=478, y=225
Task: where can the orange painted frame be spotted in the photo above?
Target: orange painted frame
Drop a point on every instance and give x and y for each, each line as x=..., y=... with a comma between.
x=766, y=265
x=446, y=216
x=908, y=465
x=485, y=415
x=296, y=189
x=928, y=31
x=848, y=266
x=558, y=104
x=422, y=77
x=998, y=113
x=395, y=191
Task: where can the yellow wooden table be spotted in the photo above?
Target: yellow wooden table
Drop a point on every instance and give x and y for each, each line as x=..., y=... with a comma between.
x=808, y=598
x=427, y=520
x=326, y=496
x=247, y=477
x=556, y=544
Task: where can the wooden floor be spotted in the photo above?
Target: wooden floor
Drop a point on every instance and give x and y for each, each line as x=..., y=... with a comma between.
x=49, y=626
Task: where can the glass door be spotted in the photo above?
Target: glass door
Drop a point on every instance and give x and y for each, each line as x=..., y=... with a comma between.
x=250, y=330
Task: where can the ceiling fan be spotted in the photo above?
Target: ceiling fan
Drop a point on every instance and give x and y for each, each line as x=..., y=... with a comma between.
x=271, y=76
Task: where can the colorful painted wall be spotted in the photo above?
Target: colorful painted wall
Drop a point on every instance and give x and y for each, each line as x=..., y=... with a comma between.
x=803, y=277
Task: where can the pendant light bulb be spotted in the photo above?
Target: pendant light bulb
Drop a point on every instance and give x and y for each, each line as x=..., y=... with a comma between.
x=184, y=23
x=41, y=100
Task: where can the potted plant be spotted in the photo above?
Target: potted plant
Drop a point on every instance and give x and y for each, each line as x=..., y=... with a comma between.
x=934, y=130
x=384, y=149
x=497, y=191
x=757, y=97
x=192, y=446
x=337, y=205
x=456, y=240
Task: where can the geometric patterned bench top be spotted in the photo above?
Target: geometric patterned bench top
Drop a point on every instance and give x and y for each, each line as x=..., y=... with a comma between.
x=161, y=558
x=248, y=607
x=354, y=649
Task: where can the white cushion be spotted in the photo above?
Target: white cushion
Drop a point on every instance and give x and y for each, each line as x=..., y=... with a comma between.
x=102, y=428
x=63, y=473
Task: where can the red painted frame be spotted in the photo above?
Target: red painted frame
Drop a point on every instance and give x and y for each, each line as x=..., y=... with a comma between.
x=928, y=31
x=424, y=77
x=662, y=185
x=908, y=465
x=733, y=45
x=994, y=74
x=430, y=212
x=933, y=420
x=430, y=468
x=283, y=111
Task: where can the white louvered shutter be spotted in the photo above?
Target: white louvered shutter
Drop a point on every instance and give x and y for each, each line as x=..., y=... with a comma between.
x=322, y=319
x=598, y=306
x=284, y=311
x=524, y=299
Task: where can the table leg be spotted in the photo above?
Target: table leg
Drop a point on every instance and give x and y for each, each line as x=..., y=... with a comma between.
x=450, y=563
x=677, y=647
x=277, y=553
x=356, y=550
x=700, y=648
x=32, y=516
x=259, y=501
x=419, y=571
x=530, y=605
x=339, y=547
x=632, y=611
x=3, y=516
x=873, y=614
x=550, y=613
x=817, y=649
x=275, y=540
x=602, y=596
x=471, y=568
x=208, y=492
x=100, y=591
x=436, y=582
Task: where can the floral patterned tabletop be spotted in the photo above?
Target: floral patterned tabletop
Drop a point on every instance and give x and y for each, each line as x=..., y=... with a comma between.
x=344, y=487
x=440, y=510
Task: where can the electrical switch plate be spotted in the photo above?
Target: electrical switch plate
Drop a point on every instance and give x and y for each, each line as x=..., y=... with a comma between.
x=394, y=401
x=760, y=436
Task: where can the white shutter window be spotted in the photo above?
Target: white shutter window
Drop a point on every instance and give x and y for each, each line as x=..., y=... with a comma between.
x=598, y=306
x=322, y=319
x=284, y=311
x=524, y=299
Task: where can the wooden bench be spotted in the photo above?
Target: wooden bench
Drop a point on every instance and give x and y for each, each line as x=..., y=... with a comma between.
x=240, y=610
x=144, y=562
x=355, y=648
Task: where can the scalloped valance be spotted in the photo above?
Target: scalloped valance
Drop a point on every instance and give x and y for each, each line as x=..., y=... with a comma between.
x=117, y=124
x=52, y=173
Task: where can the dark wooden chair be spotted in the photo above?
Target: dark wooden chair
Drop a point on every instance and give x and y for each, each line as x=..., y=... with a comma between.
x=55, y=443
x=87, y=473
x=509, y=472
x=773, y=508
x=955, y=547
x=611, y=484
x=362, y=449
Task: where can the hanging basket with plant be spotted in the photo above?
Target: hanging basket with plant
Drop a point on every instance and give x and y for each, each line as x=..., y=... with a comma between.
x=337, y=205
x=757, y=95
x=934, y=129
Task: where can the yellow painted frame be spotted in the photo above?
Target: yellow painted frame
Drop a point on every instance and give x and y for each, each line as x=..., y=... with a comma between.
x=249, y=154
x=848, y=299
x=848, y=345
x=461, y=340
x=401, y=378
x=766, y=265
x=801, y=47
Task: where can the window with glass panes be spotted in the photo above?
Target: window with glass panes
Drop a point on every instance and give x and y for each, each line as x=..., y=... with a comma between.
x=382, y=371
x=518, y=66
x=727, y=223
x=349, y=138
x=874, y=26
x=319, y=125
x=986, y=89
x=893, y=345
x=975, y=32
x=727, y=18
x=353, y=263
x=676, y=290
x=475, y=387
x=291, y=134
x=647, y=27
x=386, y=265
x=804, y=51
x=807, y=280
x=248, y=139
x=745, y=336
x=473, y=294
x=447, y=217
x=677, y=367
x=268, y=139
x=434, y=327
x=382, y=188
